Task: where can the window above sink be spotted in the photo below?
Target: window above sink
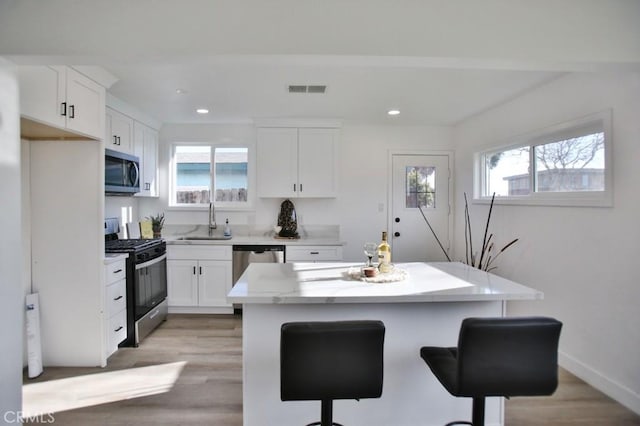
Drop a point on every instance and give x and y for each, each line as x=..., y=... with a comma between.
x=201, y=173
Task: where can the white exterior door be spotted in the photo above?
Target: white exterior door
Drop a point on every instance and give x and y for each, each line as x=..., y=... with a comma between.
x=419, y=180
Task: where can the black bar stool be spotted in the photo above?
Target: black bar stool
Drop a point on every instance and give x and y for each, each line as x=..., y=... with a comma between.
x=498, y=357
x=324, y=361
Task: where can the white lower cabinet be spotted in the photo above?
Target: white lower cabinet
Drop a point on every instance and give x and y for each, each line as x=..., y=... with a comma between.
x=199, y=279
x=116, y=304
x=314, y=253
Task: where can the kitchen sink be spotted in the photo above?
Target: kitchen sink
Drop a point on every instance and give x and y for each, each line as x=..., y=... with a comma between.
x=205, y=238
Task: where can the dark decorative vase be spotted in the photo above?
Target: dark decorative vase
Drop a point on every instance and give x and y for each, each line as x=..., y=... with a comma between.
x=287, y=220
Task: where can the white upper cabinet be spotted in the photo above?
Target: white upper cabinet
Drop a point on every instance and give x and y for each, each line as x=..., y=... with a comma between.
x=85, y=104
x=297, y=162
x=42, y=94
x=277, y=161
x=145, y=143
x=317, y=162
x=58, y=97
x=119, y=131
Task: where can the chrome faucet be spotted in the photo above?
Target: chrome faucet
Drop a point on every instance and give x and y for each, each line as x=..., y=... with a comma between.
x=212, y=218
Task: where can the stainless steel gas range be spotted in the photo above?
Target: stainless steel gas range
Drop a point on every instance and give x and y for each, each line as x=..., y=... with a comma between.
x=146, y=281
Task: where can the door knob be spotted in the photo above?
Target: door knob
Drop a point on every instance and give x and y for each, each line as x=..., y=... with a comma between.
x=396, y=234
x=397, y=219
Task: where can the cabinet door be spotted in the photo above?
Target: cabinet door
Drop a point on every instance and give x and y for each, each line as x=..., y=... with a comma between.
x=182, y=282
x=277, y=173
x=145, y=142
x=42, y=94
x=317, y=162
x=214, y=283
x=119, y=131
x=85, y=105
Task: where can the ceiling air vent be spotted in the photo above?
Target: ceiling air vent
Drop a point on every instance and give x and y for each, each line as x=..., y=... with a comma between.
x=307, y=89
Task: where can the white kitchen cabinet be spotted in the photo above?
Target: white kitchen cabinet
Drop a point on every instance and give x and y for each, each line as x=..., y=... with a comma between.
x=67, y=263
x=182, y=282
x=145, y=143
x=116, y=304
x=297, y=162
x=199, y=278
x=59, y=97
x=314, y=253
x=119, y=131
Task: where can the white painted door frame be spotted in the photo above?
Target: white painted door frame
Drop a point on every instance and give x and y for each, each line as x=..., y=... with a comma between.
x=450, y=155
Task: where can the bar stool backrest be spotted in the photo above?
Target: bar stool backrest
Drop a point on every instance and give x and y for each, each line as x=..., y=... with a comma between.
x=331, y=360
x=508, y=356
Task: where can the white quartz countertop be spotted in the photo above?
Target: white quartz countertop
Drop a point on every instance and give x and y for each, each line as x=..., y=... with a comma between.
x=257, y=240
x=311, y=236
x=307, y=283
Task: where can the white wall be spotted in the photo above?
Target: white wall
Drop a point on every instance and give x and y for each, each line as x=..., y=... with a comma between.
x=362, y=179
x=124, y=208
x=583, y=259
x=11, y=294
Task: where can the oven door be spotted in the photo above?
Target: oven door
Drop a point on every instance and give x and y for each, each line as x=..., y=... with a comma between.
x=150, y=285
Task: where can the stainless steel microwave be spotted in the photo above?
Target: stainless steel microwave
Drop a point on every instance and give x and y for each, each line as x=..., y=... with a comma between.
x=121, y=173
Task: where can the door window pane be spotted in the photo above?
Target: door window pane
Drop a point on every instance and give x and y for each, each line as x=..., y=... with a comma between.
x=420, y=187
x=193, y=174
x=575, y=164
x=507, y=172
x=231, y=178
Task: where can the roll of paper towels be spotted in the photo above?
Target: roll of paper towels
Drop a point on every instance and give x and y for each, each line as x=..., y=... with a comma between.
x=34, y=348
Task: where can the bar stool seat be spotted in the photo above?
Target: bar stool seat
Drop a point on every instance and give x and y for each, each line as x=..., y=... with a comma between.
x=325, y=361
x=498, y=357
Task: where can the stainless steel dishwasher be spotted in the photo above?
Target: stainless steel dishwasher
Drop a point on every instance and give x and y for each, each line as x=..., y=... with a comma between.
x=243, y=255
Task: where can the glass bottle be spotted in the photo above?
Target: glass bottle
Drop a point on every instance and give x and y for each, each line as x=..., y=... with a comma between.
x=384, y=254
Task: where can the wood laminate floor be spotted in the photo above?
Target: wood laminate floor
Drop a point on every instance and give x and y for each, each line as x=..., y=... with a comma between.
x=203, y=353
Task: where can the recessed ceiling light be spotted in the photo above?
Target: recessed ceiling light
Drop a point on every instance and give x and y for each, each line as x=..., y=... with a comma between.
x=393, y=112
x=181, y=91
x=202, y=111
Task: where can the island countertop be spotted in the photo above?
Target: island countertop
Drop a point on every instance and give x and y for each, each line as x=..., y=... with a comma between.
x=313, y=283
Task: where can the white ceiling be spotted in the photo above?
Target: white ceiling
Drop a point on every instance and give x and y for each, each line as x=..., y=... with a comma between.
x=438, y=62
x=242, y=89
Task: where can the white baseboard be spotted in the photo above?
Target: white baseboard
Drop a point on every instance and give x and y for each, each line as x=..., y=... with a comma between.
x=617, y=391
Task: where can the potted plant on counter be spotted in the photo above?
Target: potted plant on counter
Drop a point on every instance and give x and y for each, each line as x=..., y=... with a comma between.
x=157, y=222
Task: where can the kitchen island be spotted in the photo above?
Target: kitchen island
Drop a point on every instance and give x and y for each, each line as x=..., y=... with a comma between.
x=424, y=309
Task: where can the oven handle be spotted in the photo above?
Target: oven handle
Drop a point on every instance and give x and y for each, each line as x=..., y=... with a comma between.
x=151, y=262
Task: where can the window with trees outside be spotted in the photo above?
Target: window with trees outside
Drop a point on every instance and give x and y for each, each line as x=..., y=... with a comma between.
x=204, y=173
x=567, y=164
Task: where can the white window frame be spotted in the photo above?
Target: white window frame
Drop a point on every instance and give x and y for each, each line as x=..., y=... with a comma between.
x=550, y=134
x=219, y=205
